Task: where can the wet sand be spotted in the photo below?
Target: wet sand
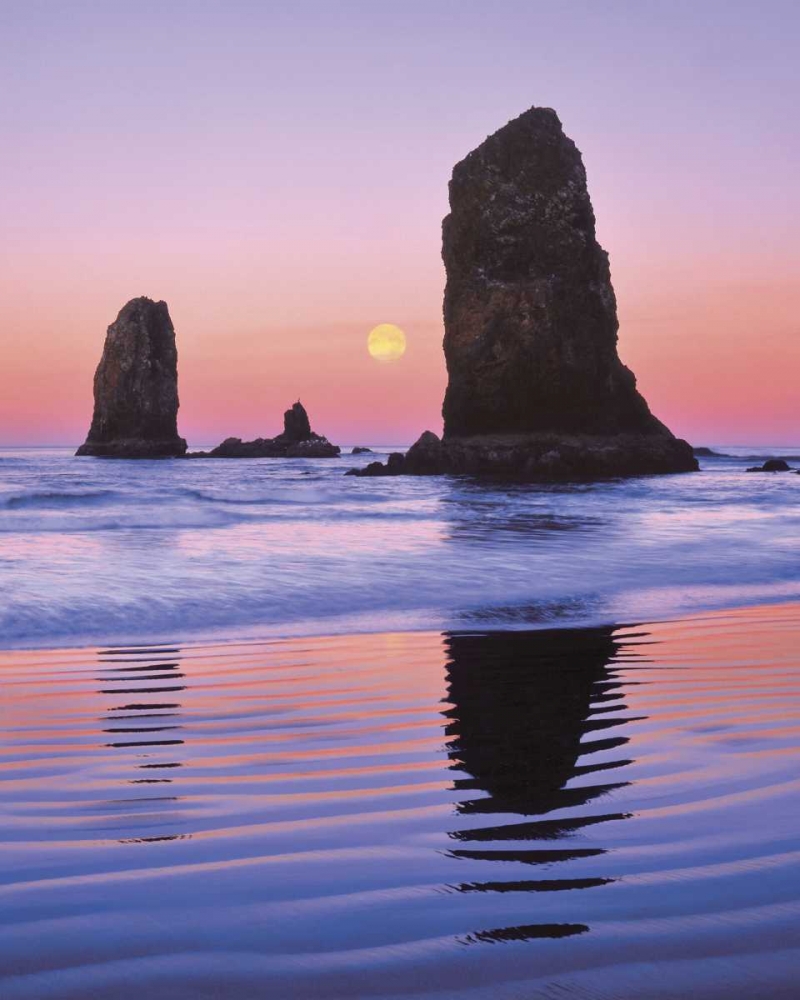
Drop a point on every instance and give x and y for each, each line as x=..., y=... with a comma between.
x=590, y=813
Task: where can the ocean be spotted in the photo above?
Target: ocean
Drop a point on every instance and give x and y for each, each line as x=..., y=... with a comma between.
x=270, y=731
x=155, y=551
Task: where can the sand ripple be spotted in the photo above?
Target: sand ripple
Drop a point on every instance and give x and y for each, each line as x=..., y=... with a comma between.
x=607, y=812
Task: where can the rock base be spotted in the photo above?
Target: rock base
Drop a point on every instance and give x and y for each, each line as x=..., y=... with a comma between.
x=134, y=448
x=313, y=447
x=539, y=457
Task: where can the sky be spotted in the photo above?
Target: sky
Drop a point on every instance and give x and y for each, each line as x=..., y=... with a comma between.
x=277, y=173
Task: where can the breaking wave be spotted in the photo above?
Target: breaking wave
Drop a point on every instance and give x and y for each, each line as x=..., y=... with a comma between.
x=101, y=551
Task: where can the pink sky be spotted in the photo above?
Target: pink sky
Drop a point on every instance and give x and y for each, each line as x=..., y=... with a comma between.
x=279, y=178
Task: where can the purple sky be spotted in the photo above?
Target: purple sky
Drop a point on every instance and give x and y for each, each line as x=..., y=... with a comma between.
x=278, y=173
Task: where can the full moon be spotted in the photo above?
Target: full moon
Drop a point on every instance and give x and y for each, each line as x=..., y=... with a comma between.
x=386, y=342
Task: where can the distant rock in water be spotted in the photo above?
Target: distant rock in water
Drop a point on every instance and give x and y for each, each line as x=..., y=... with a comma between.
x=544, y=457
x=296, y=425
x=772, y=465
x=361, y=450
x=136, y=387
x=703, y=452
x=296, y=441
x=536, y=388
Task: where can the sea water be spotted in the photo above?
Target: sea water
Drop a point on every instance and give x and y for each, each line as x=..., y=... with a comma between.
x=274, y=731
x=121, y=551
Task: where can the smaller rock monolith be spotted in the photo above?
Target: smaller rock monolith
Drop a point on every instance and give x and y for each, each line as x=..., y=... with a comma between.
x=136, y=387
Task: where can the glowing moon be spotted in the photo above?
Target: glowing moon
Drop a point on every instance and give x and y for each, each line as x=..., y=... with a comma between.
x=386, y=342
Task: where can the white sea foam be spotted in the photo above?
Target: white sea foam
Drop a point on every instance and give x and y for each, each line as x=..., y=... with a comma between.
x=96, y=550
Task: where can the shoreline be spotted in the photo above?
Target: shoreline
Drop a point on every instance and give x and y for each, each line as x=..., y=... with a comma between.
x=469, y=622
x=93, y=553
x=478, y=812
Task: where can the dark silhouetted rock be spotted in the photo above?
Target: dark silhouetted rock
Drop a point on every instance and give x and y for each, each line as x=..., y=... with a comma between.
x=703, y=452
x=296, y=441
x=296, y=425
x=136, y=387
x=530, y=313
x=536, y=388
x=316, y=447
x=772, y=465
x=426, y=456
x=358, y=450
x=541, y=458
x=394, y=466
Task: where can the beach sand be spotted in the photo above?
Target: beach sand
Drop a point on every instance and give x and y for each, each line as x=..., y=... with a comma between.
x=601, y=812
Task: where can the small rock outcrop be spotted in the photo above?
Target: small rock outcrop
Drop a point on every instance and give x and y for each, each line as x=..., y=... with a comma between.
x=772, y=465
x=296, y=441
x=361, y=450
x=296, y=425
x=535, y=385
x=136, y=387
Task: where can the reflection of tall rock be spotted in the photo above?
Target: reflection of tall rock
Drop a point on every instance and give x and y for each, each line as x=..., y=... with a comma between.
x=136, y=387
x=521, y=706
x=536, y=388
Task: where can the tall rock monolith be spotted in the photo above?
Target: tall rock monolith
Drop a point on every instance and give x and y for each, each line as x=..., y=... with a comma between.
x=536, y=388
x=529, y=311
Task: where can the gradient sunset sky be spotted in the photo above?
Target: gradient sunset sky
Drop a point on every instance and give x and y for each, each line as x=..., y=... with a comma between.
x=278, y=174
